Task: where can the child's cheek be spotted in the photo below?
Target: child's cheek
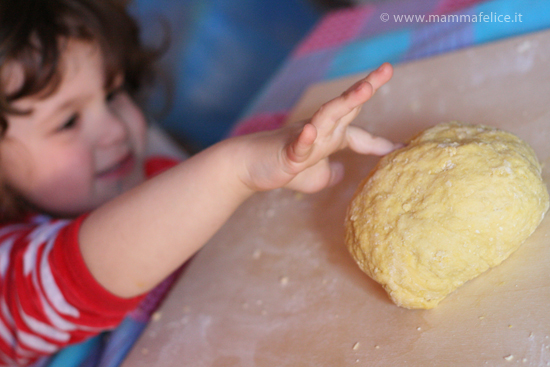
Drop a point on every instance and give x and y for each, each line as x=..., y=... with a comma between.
x=61, y=186
x=135, y=121
x=139, y=136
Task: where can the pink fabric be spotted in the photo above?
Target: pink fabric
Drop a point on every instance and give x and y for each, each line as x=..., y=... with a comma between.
x=260, y=122
x=335, y=29
x=449, y=6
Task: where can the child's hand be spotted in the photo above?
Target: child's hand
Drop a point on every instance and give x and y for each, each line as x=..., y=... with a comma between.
x=297, y=157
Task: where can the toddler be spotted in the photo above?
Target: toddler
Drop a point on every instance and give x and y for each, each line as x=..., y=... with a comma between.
x=86, y=231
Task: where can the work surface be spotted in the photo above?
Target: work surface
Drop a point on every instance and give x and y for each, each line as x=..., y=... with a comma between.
x=277, y=287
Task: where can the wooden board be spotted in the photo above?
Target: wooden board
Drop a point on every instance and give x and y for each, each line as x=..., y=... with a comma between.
x=276, y=286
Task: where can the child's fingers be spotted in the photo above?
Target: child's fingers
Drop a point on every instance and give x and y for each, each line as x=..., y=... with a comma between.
x=351, y=100
x=361, y=141
x=380, y=76
x=347, y=119
x=327, y=117
x=300, y=149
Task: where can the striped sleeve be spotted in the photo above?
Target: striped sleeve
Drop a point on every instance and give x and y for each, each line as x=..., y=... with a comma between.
x=49, y=298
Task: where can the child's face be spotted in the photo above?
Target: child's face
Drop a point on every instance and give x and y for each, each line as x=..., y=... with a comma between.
x=81, y=146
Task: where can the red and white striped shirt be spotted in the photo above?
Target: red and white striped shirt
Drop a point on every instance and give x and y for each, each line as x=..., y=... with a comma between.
x=49, y=299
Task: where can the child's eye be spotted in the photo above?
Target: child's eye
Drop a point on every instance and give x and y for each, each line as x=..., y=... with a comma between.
x=69, y=124
x=112, y=94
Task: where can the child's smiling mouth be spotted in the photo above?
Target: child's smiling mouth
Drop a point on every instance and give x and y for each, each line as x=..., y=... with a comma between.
x=120, y=169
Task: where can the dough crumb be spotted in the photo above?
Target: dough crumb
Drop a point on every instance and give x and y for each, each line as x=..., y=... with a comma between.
x=376, y=347
x=523, y=47
x=257, y=253
x=355, y=346
x=509, y=357
x=415, y=106
x=156, y=316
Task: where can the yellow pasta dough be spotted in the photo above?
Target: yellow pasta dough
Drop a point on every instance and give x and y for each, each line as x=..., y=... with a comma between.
x=454, y=202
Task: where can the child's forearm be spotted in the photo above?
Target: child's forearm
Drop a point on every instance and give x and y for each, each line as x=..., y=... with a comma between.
x=133, y=242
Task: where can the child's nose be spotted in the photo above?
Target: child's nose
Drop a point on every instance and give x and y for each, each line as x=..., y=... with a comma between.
x=113, y=129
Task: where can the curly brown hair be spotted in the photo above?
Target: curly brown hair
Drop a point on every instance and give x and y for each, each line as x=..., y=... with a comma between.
x=33, y=34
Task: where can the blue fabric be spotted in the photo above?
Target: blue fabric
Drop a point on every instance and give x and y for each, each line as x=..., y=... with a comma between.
x=367, y=54
x=120, y=342
x=78, y=355
x=399, y=42
x=222, y=52
x=404, y=41
x=535, y=16
x=105, y=350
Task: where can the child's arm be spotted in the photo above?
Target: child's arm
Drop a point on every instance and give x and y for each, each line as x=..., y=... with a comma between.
x=133, y=242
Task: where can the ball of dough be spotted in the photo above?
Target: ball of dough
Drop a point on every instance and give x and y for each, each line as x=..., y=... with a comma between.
x=456, y=201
